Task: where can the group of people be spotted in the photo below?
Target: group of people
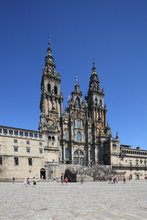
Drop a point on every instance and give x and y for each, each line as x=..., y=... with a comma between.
x=113, y=180
x=64, y=180
x=27, y=182
x=116, y=179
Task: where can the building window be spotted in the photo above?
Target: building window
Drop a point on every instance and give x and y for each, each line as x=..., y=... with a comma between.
x=79, y=157
x=40, y=150
x=55, y=90
x=15, y=140
x=15, y=149
x=67, y=154
x=21, y=133
x=66, y=136
x=78, y=123
x=26, y=133
x=10, y=131
x=49, y=138
x=0, y=130
x=30, y=161
x=27, y=142
x=78, y=136
x=40, y=143
x=16, y=161
x=5, y=131
x=28, y=149
x=31, y=134
x=40, y=135
x=49, y=88
x=1, y=160
x=16, y=132
x=36, y=135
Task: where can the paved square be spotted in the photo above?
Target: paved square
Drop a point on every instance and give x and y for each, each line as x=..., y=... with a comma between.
x=74, y=201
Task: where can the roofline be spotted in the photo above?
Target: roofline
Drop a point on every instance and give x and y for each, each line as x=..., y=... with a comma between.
x=1, y=126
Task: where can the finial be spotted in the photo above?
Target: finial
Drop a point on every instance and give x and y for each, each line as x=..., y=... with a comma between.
x=49, y=41
x=93, y=66
x=77, y=79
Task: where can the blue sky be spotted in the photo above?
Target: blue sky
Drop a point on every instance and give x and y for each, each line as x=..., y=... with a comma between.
x=112, y=32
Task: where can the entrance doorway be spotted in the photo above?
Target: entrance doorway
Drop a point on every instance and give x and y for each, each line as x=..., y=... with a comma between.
x=71, y=176
x=137, y=176
x=42, y=173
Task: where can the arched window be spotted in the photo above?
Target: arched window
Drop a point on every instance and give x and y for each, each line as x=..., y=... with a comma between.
x=78, y=136
x=78, y=123
x=55, y=90
x=49, y=88
x=49, y=138
x=79, y=157
x=53, y=138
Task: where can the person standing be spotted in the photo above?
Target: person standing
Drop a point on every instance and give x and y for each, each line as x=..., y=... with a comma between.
x=82, y=180
x=66, y=180
x=13, y=179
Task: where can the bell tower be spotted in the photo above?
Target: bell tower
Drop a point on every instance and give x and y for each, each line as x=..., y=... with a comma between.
x=50, y=106
x=97, y=114
x=95, y=99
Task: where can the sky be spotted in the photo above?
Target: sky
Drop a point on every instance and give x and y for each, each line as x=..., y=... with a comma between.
x=113, y=33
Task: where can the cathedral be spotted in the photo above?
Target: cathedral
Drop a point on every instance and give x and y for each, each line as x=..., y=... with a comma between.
x=78, y=136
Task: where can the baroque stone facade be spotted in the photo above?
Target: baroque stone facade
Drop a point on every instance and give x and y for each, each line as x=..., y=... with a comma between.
x=80, y=135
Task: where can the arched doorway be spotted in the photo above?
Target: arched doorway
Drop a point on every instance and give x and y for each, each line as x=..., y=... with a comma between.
x=42, y=173
x=72, y=177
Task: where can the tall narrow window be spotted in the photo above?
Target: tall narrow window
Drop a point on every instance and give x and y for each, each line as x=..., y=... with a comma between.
x=30, y=161
x=67, y=154
x=78, y=136
x=16, y=161
x=49, y=88
x=55, y=90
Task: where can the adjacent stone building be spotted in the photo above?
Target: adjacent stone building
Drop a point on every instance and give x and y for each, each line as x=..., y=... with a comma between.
x=80, y=135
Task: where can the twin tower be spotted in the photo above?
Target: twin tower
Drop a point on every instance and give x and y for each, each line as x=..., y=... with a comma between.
x=80, y=134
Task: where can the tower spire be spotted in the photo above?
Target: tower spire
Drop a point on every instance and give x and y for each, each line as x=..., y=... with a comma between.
x=49, y=60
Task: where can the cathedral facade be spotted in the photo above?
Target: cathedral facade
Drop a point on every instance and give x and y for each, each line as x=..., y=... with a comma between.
x=77, y=136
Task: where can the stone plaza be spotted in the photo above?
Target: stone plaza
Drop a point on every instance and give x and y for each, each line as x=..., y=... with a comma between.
x=74, y=201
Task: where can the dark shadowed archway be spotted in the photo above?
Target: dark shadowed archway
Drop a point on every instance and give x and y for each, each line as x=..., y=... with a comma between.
x=42, y=173
x=72, y=177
